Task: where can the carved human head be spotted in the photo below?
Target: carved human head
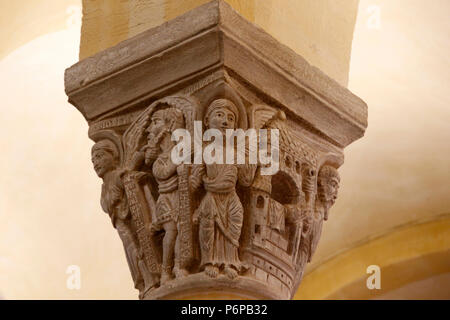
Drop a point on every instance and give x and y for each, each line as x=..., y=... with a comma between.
x=327, y=186
x=222, y=114
x=105, y=157
x=168, y=119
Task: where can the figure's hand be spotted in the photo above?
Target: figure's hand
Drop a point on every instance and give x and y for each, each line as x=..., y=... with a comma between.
x=246, y=174
x=197, y=174
x=195, y=217
x=153, y=229
x=180, y=169
x=116, y=194
x=137, y=160
x=307, y=224
x=195, y=182
x=151, y=153
x=152, y=148
x=154, y=141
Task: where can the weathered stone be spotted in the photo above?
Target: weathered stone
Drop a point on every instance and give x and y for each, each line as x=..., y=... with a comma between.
x=196, y=227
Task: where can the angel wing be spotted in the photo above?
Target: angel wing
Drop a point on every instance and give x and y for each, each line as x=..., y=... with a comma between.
x=134, y=137
x=262, y=115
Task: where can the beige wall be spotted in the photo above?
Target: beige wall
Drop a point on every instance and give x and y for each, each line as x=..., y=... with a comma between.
x=407, y=254
x=22, y=21
x=399, y=172
x=435, y=288
x=50, y=216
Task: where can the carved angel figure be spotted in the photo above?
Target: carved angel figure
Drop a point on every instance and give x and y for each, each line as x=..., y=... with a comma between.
x=220, y=213
x=105, y=158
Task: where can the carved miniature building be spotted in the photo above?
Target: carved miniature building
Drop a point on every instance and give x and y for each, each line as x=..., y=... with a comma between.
x=190, y=227
x=273, y=234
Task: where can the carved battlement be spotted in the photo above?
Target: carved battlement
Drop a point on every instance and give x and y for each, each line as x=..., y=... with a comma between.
x=192, y=227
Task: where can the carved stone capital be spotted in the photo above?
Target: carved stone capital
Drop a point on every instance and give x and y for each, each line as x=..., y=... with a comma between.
x=186, y=228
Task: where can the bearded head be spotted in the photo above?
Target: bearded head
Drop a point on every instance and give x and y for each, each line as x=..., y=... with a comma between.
x=327, y=187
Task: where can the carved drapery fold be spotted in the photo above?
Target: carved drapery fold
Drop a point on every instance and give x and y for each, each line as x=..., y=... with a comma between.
x=192, y=227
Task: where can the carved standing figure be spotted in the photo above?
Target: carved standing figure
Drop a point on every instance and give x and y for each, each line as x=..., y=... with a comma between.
x=158, y=157
x=220, y=213
x=327, y=188
x=105, y=158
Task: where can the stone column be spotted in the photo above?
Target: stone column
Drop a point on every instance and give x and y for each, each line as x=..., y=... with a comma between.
x=193, y=229
x=319, y=30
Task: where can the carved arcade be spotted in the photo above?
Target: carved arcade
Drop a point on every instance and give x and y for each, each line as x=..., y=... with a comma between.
x=192, y=227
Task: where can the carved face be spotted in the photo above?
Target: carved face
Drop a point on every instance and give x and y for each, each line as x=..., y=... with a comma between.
x=222, y=119
x=157, y=125
x=328, y=189
x=103, y=161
